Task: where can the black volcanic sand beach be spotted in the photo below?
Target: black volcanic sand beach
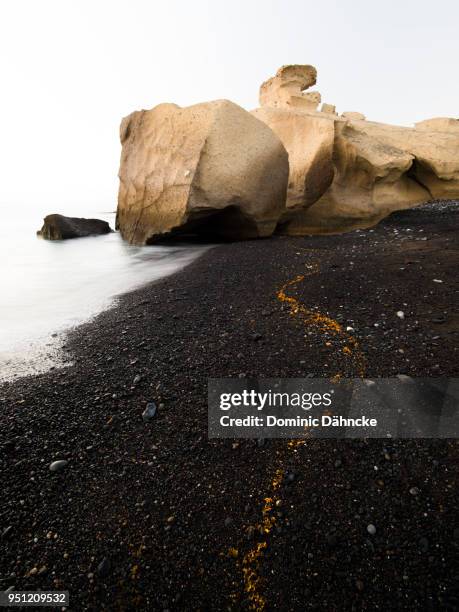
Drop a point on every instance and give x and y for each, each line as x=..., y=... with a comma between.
x=155, y=516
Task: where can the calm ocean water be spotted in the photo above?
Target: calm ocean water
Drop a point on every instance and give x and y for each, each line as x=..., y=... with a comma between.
x=48, y=287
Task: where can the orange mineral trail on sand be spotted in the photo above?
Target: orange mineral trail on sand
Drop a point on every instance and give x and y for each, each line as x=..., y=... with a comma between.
x=347, y=349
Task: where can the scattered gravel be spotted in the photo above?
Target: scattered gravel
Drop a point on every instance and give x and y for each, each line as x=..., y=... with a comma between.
x=143, y=521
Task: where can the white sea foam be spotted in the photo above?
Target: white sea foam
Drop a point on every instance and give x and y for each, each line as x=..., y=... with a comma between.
x=48, y=287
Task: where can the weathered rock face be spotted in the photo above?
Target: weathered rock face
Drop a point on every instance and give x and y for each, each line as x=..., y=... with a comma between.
x=379, y=169
x=369, y=182
x=346, y=172
x=285, y=90
x=329, y=108
x=439, y=124
x=307, y=135
x=353, y=116
x=59, y=227
x=211, y=168
x=308, y=138
x=435, y=154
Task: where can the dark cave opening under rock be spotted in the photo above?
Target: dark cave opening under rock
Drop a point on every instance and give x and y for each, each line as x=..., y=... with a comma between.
x=226, y=225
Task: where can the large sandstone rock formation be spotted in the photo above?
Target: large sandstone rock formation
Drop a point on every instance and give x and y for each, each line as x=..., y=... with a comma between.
x=307, y=135
x=211, y=168
x=59, y=227
x=346, y=172
x=378, y=169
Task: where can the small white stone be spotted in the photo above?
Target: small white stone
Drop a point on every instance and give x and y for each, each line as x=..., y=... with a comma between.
x=371, y=529
x=400, y=314
x=437, y=280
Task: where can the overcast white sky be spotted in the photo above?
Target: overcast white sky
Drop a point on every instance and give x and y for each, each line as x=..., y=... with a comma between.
x=70, y=69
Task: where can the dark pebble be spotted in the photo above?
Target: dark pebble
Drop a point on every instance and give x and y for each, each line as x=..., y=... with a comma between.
x=104, y=567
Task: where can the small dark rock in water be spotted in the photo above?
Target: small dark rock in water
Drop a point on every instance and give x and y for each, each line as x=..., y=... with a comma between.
x=104, y=567
x=290, y=477
x=149, y=411
x=56, y=466
x=59, y=227
x=228, y=521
